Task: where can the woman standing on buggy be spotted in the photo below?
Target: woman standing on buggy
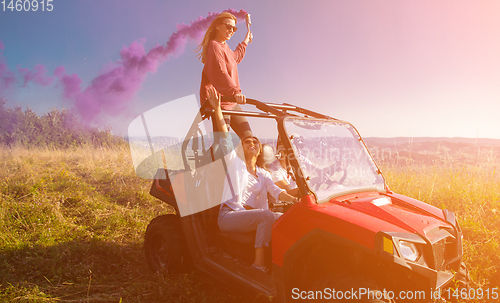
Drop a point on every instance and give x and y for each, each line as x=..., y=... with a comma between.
x=220, y=68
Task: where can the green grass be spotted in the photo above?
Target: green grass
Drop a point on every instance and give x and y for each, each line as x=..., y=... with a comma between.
x=473, y=194
x=72, y=224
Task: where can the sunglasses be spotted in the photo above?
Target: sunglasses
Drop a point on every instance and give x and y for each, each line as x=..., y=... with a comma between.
x=254, y=141
x=230, y=27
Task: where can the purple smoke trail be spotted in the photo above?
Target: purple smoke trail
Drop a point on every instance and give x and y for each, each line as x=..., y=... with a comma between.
x=37, y=76
x=111, y=92
x=8, y=78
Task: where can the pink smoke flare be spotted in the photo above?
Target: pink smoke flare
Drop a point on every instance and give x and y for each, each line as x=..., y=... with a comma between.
x=7, y=78
x=111, y=92
x=71, y=83
x=37, y=75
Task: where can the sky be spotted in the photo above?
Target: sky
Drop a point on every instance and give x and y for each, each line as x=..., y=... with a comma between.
x=393, y=68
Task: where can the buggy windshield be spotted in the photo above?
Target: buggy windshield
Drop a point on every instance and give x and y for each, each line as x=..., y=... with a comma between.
x=332, y=158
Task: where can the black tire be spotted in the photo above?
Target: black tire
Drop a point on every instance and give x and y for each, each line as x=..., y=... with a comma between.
x=346, y=284
x=462, y=281
x=463, y=276
x=165, y=246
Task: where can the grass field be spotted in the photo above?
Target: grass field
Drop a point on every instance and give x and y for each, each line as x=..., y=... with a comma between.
x=472, y=193
x=72, y=224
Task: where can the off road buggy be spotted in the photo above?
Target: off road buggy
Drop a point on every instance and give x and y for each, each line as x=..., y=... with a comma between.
x=349, y=237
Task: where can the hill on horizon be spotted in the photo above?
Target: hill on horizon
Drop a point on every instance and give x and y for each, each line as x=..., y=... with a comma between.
x=431, y=150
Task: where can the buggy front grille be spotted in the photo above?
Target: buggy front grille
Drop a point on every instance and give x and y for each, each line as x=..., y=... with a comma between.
x=438, y=250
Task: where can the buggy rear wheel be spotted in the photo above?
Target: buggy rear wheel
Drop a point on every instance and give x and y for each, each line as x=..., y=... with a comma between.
x=165, y=246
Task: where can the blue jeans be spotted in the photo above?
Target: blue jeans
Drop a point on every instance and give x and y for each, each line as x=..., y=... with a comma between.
x=242, y=221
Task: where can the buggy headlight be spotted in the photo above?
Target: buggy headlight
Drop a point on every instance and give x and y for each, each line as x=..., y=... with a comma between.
x=409, y=251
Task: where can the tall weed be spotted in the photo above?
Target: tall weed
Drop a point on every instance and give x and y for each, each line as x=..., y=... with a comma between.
x=472, y=193
x=72, y=224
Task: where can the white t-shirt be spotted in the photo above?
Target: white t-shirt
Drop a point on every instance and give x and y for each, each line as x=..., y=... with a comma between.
x=240, y=186
x=258, y=187
x=278, y=173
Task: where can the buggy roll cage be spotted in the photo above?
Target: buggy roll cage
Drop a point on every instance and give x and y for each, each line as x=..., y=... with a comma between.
x=268, y=110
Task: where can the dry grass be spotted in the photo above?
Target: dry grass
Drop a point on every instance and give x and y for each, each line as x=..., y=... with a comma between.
x=472, y=193
x=72, y=224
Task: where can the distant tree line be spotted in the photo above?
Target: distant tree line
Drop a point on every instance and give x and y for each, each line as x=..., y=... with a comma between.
x=56, y=128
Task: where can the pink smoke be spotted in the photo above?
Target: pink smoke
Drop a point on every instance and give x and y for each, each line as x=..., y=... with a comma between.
x=112, y=91
x=37, y=75
x=8, y=78
x=71, y=84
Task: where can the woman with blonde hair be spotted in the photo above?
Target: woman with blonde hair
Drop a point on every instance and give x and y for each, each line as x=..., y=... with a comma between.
x=220, y=68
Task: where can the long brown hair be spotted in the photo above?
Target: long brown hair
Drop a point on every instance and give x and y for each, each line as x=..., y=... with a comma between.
x=210, y=35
